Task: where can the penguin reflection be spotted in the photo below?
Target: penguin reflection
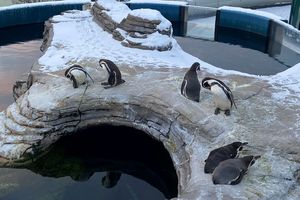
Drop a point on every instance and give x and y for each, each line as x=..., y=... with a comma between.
x=111, y=179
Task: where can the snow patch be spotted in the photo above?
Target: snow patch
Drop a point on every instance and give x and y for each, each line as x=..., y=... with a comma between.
x=117, y=10
x=289, y=78
x=152, y=15
x=51, y=3
x=160, y=2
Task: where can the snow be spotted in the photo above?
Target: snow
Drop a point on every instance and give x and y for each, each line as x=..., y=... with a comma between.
x=281, y=11
x=117, y=10
x=152, y=15
x=153, y=40
x=27, y=5
x=72, y=35
x=160, y=2
x=289, y=78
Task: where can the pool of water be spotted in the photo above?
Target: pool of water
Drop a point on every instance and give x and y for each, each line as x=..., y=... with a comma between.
x=93, y=164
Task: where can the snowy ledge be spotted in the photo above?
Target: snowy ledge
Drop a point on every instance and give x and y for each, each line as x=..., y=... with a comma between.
x=267, y=116
x=50, y=3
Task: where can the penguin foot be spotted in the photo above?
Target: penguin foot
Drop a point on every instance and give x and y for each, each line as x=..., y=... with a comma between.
x=227, y=112
x=104, y=83
x=107, y=87
x=217, y=111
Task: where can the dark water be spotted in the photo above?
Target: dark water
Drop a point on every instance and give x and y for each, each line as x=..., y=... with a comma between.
x=15, y=62
x=234, y=57
x=75, y=166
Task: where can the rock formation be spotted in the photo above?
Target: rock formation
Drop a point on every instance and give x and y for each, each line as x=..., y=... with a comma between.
x=267, y=116
x=133, y=28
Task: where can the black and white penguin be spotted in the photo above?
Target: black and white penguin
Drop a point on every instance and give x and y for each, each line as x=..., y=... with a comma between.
x=77, y=74
x=223, y=97
x=114, y=74
x=190, y=87
x=232, y=171
x=223, y=153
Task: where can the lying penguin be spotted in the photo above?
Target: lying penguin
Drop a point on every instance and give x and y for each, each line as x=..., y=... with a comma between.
x=223, y=97
x=190, y=86
x=223, y=153
x=78, y=75
x=232, y=171
x=114, y=74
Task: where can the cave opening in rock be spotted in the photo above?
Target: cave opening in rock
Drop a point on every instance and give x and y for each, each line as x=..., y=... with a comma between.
x=112, y=153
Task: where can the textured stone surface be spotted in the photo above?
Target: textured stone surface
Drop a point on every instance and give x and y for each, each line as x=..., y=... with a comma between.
x=131, y=28
x=150, y=101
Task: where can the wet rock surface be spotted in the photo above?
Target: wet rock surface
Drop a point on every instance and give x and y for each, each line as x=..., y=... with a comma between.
x=150, y=101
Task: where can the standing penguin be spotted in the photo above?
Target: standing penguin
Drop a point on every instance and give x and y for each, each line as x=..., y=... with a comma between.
x=190, y=87
x=223, y=97
x=77, y=74
x=232, y=171
x=223, y=153
x=114, y=74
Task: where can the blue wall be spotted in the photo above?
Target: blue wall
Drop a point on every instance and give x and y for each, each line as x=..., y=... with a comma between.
x=242, y=28
x=33, y=14
x=260, y=33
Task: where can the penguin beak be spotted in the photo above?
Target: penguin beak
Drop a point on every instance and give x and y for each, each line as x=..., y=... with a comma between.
x=245, y=143
x=256, y=157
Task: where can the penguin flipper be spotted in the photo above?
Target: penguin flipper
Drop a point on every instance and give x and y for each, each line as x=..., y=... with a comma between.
x=183, y=88
x=237, y=180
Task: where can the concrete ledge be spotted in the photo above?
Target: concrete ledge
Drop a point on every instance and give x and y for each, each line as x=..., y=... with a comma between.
x=35, y=13
x=258, y=31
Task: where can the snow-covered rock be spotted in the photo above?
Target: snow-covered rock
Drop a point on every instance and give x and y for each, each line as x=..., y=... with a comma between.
x=140, y=28
x=267, y=116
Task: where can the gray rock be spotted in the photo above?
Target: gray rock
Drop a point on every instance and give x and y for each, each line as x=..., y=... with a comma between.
x=132, y=26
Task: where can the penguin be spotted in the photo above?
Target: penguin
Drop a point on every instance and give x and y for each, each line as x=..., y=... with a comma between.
x=223, y=153
x=223, y=97
x=114, y=74
x=232, y=171
x=190, y=86
x=77, y=74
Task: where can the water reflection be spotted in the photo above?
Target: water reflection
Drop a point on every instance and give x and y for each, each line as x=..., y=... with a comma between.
x=15, y=62
x=111, y=179
x=105, y=162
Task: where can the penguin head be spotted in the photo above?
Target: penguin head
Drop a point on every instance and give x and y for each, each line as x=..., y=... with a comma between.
x=206, y=82
x=250, y=160
x=69, y=70
x=195, y=67
x=104, y=64
x=253, y=160
x=239, y=145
